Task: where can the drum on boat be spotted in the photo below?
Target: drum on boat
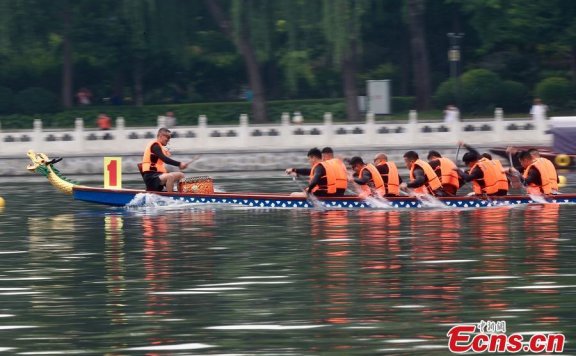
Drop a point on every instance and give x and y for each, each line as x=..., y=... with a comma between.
x=196, y=185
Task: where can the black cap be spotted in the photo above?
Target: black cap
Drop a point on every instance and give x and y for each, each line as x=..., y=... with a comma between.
x=470, y=157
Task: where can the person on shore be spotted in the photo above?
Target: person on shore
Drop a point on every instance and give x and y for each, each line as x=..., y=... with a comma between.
x=104, y=122
x=551, y=170
x=486, y=177
x=367, y=177
x=322, y=178
x=389, y=173
x=446, y=171
x=538, y=110
x=535, y=177
x=170, y=119
x=451, y=114
x=154, y=161
x=423, y=179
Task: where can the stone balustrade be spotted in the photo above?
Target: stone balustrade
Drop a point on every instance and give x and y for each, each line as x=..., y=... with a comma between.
x=283, y=136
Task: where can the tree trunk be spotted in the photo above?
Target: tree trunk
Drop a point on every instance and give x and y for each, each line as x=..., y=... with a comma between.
x=67, y=63
x=420, y=63
x=246, y=50
x=573, y=63
x=138, y=86
x=348, y=66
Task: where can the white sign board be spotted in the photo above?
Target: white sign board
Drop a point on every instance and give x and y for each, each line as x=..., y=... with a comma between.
x=379, y=96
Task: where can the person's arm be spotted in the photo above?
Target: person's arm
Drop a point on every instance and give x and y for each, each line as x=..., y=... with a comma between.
x=435, y=164
x=302, y=171
x=475, y=174
x=366, y=177
x=158, y=152
x=533, y=177
x=470, y=148
x=419, y=178
x=319, y=172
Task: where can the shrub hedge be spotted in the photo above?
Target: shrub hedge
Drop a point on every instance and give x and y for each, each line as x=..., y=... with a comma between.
x=187, y=114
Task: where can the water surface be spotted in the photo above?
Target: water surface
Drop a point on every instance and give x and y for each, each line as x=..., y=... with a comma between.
x=80, y=278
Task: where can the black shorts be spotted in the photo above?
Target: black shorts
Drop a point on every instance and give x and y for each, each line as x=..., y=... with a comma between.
x=152, y=181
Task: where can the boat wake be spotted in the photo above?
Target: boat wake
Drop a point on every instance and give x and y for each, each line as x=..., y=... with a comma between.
x=147, y=200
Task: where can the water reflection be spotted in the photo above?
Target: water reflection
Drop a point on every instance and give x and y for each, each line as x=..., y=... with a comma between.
x=290, y=281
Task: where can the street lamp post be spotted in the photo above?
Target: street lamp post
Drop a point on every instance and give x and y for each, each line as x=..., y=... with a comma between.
x=454, y=59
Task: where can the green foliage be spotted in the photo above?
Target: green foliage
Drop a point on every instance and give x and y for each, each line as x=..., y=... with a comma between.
x=480, y=90
x=513, y=96
x=6, y=100
x=402, y=104
x=446, y=93
x=555, y=91
x=36, y=101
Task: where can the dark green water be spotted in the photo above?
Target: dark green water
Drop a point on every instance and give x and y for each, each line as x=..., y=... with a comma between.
x=79, y=278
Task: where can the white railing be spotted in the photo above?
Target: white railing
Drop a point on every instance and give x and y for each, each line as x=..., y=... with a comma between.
x=205, y=138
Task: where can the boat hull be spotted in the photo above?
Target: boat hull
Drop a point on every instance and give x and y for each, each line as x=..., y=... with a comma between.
x=123, y=197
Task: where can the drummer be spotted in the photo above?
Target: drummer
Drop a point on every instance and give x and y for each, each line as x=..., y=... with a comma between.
x=154, y=161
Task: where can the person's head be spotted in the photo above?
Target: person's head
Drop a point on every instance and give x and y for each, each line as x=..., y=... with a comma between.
x=433, y=155
x=164, y=136
x=487, y=155
x=409, y=158
x=327, y=153
x=380, y=158
x=537, y=101
x=525, y=158
x=470, y=158
x=534, y=153
x=314, y=156
x=170, y=113
x=356, y=163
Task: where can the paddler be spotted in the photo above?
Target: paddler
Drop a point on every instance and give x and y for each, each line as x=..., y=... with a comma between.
x=339, y=167
x=423, y=179
x=486, y=176
x=389, y=173
x=367, y=177
x=154, y=161
x=322, y=177
x=535, y=177
x=551, y=170
x=446, y=170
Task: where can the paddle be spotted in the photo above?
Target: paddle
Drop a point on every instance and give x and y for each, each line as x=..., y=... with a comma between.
x=458, y=151
x=194, y=159
x=311, y=198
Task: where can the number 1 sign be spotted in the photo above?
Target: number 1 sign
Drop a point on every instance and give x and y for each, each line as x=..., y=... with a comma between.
x=113, y=172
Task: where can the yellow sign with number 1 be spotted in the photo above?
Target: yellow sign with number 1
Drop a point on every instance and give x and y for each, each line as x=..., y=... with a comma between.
x=113, y=172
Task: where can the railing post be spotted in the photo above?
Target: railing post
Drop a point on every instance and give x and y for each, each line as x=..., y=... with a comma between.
x=243, y=130
x=202, y=130
x=285, y=134
x=37, y=130
x=161, y=121
x=79, y=132
x=499, y=127
x=370, y=127
x=413, y=126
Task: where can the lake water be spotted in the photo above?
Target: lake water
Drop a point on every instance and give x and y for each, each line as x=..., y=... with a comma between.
x=80, y=278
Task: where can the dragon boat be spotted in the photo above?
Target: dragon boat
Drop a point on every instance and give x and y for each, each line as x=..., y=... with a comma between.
x=43, y=165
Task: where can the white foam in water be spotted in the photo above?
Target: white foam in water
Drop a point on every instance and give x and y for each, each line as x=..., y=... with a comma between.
x=154, y=200
x=191, y=346
x=264, y=327
x=430, y=201
x=378, y=202
x=538, y=199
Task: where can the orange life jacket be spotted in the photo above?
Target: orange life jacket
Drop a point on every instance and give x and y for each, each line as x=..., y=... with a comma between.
x=552, y=174
x=432, y=180
x=154, y=164
x=393, y=185
x=502, y=179
x=491, y=177
x=376, y=180
x=330, y=177
x=448, y=173
x=545, y=188
x=341, y=173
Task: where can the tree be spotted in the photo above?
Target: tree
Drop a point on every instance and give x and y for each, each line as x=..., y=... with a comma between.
x=342, y=29
x=237, y=33
x=421, y=67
